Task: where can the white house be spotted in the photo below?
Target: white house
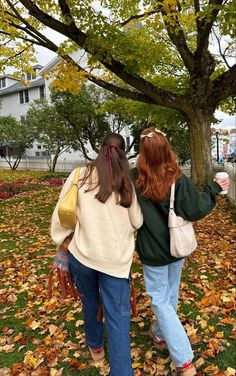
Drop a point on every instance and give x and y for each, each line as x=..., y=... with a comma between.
x=16, y=98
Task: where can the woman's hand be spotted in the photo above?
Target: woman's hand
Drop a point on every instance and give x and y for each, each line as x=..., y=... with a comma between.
x=224, y=183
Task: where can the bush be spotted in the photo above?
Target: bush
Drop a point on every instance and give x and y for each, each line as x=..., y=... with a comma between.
x=9, y=189
x=54, y=175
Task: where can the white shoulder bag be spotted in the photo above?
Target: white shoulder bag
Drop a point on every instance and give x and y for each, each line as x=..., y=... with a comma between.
x=182, y=237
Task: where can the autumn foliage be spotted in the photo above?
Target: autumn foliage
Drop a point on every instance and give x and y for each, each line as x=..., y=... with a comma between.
x=41, y=337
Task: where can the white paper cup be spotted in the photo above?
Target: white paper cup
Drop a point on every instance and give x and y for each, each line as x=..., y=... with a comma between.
x=218, y=177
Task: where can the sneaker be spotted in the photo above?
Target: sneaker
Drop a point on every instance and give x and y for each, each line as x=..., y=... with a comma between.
x=97, y=354
x=159, y=343
x=187, y=369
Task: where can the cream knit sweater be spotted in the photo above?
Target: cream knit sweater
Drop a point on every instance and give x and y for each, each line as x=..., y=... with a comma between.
x=104, y=234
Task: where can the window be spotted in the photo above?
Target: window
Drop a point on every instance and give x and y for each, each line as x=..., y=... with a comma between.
x=41, y=153
x=2, y=83
x=24, y=96
x=39, y=147
x=21, y=97
x=41, y=92
x=30, y=76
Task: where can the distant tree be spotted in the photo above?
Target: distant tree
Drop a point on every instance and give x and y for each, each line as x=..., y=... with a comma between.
x=17, y=137
x=68, y=122
x=53, y=132
x=81, y=115
x=137, y=116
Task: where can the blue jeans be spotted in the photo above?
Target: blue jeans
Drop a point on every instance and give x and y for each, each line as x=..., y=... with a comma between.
x=162, y=285
x=115, y=294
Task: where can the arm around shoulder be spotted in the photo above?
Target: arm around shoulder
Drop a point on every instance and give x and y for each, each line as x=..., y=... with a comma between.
x=135, y=214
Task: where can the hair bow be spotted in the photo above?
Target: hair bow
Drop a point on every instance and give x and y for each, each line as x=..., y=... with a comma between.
x=151, y=134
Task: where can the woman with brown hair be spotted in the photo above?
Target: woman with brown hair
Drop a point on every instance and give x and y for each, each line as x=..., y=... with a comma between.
x=156, y=170
x=101, y=250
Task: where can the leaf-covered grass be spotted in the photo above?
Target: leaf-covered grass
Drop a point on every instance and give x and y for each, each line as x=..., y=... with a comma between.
x=43, y=338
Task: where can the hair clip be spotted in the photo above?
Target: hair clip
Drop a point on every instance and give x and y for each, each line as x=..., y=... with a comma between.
x=151, y=134
x=158, y=131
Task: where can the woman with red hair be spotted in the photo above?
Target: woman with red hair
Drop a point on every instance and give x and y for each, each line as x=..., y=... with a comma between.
x=156, y=170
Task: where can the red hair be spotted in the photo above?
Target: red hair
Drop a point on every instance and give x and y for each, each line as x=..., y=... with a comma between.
x=157, y=166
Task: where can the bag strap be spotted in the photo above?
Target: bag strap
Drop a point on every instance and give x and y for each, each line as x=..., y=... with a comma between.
x=76, y=177
x=172, y=196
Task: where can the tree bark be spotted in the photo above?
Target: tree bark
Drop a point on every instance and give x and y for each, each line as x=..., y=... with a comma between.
x=199, y=123
x=54, y=162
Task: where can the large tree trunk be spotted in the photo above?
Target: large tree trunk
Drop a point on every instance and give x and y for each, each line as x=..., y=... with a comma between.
x=200, y=138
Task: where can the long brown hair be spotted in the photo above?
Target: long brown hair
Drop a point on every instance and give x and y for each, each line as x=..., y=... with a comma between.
x=113, y=173
x=157, y=165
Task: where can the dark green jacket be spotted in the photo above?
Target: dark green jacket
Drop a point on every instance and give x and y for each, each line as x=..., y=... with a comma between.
x=153, y=241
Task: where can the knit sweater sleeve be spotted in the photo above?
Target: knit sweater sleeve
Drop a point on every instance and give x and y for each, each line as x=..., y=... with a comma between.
x=190, y=203
x=135, y=214
x=58, y=232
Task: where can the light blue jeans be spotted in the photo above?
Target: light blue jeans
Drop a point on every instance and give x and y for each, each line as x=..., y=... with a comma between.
x=115, y=293
x=162, y=285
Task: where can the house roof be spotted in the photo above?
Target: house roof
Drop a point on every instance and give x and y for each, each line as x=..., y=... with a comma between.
x=18, y=87
x=39, y=66
x=50, y=65
x=7, y=76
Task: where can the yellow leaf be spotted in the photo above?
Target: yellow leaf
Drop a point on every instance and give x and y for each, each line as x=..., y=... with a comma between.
x=219, y=335
x=141, y=324
x=7, y=348
x=230, y=371
x=211, y=328
x=203, y=324
x=225, y=299
x=137, y=365
x=211, y=368
x=34, y=325
x=56, y=372
x=79, y=323
x=227, y=320
x=199, y=362
x=5, y=371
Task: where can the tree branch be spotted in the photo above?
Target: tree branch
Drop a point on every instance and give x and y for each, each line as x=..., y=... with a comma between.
x=14, y=56
x=220, y=50
x=224, y=86
x=30, y=30
x=159, y=96
x=5, y=43
x=51, y=22
x=205, y=26
x=32, y=41
x=90, y=130
x=177, y=37
x=137, y=17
